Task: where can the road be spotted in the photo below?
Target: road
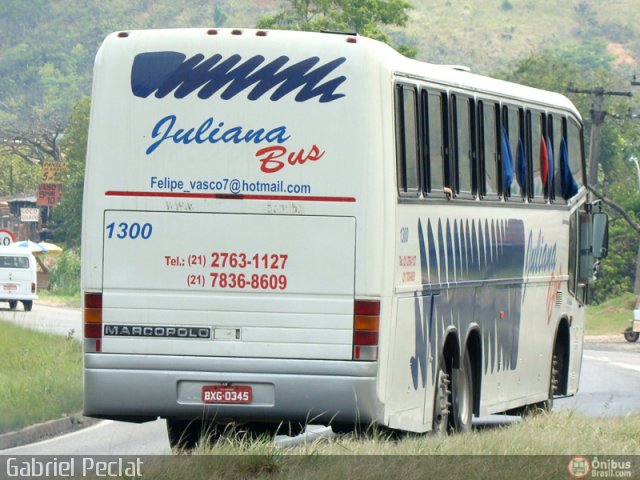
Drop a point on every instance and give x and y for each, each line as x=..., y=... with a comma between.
x=104, y=438
x=46, y=318
x=610, y=386
x=610, y=379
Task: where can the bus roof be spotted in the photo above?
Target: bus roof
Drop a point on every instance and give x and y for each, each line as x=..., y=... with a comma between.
x=449, y=76
x=370, y=50
x=456, y=76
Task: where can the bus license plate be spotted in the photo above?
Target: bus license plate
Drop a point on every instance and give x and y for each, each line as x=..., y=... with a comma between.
x=226, y=394
x=10, y=287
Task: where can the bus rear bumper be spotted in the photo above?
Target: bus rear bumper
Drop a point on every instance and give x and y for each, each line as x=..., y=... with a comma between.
x=294, y=390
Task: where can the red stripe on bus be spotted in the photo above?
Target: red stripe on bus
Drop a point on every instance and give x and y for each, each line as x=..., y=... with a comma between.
x=229, y=196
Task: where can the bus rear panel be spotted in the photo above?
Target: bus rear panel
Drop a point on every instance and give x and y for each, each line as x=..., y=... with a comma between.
x=223, y=231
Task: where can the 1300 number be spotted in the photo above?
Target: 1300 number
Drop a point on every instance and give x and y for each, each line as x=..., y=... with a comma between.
x=129, y=230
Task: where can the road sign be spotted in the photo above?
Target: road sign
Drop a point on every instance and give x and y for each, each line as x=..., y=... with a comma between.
x=52, y=172
x=6, y=238
x=49, y=194
x=29, y=214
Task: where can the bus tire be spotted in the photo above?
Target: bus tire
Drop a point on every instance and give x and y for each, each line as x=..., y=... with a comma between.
x=461, y=415
x=188, y=434
x=27, y=304
x=554, y=382
x=441, y=405
x=13, y=304
x=546, y=406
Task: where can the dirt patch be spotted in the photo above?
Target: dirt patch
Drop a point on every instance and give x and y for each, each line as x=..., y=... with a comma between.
x=610, y=342
x=621, y=54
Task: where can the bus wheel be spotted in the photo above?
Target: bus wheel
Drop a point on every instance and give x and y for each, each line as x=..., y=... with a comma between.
x=188, y=434
x=440, y=423
x=13, y=304
x=27, y=304
x=554, y=382
x=461, y=396
x=547, y=405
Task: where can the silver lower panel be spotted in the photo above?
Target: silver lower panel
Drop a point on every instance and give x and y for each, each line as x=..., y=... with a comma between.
x=121, y=386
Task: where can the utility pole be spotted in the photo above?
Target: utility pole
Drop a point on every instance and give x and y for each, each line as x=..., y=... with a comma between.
x=636, y=283
x=634, y=159
x=11, y=189
x=598, y=113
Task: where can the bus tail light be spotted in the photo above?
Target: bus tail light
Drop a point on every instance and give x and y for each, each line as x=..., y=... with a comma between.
x=33, y=287
x=366, y=325
x=93, y=321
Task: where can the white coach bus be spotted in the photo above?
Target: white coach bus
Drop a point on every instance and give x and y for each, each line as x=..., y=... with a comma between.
x=285, y=227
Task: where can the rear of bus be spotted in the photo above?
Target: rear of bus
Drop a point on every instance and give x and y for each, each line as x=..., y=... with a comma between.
x=232, y=228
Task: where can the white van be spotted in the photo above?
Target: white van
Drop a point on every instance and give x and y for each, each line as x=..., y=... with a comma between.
x=17, y=277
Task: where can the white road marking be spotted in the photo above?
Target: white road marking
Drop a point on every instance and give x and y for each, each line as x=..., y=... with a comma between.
x=605, y=359
x=627, y=366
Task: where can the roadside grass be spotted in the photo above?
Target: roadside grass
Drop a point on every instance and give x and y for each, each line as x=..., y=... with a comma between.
x=541, y=446
x=611, y=317
x=55, y=298
x=64, y=285
x=40, y=377
x=559, y=433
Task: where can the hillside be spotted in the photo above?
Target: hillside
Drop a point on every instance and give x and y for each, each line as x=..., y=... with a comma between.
x=488, y=35
x=47, y=47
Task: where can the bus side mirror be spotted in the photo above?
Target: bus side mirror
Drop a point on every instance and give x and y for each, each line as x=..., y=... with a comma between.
x=600, y=236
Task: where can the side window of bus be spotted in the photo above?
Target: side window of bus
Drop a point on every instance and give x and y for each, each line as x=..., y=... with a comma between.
x=573, y=247
x=513, y=155
x=559, y=143
x=570, y=160
x=489, y=186
x=437, y=145
x=580, y=255
x=551, y=179
x=539, y=156
x=407, y=140
x=574, y=140
x=463, y=134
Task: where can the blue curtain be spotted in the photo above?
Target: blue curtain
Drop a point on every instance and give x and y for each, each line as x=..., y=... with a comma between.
x=569, y=185
x=507, y=162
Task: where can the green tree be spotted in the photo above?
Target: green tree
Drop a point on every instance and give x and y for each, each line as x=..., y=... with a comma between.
x=583, y=67
x=67, y=215
x=365, y=17
x=17, y=176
